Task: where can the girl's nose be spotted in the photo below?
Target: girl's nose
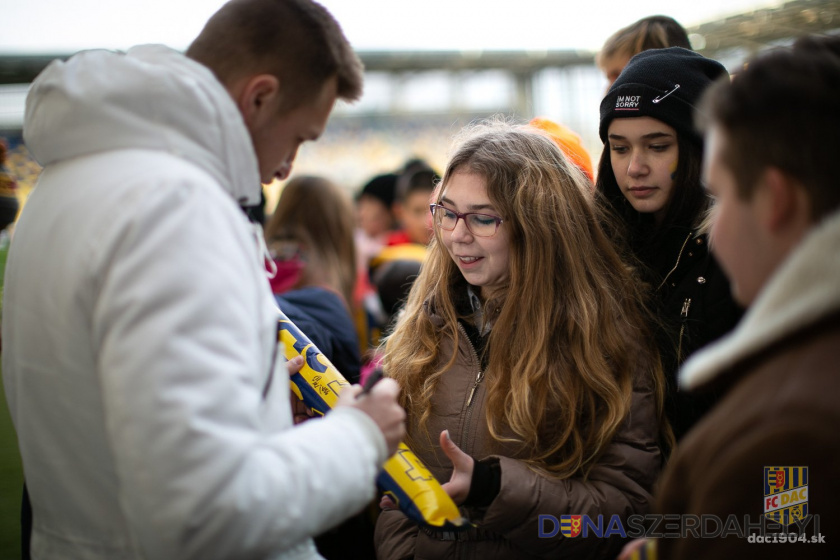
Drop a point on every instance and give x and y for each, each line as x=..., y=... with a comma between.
x=461, y=233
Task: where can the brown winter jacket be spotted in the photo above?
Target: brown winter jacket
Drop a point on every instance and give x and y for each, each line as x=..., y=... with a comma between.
x=781, y=369
x=620, y=483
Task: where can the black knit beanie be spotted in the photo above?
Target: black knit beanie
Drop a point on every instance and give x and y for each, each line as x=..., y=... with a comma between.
x=665, y=84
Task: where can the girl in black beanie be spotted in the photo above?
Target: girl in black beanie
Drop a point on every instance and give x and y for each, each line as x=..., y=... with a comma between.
x=649, y=177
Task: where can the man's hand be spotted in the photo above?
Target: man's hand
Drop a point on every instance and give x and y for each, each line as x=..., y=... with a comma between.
x=381, y=405
x=300, y=412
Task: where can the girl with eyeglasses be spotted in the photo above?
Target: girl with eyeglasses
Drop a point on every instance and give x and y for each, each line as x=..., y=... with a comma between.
x=530, y=379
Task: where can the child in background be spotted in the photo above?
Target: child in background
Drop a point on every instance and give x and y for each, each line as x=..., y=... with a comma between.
x=374, y=216
x=310, y=237
x=411, y=207
x=653, y=32
x=393, y=270
x=570, y=144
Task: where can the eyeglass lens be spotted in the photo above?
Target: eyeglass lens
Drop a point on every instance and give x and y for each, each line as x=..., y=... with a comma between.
x=482, y=225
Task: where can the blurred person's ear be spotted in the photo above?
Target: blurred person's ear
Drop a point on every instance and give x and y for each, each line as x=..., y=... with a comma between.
x=784, y=204
x=258, y=99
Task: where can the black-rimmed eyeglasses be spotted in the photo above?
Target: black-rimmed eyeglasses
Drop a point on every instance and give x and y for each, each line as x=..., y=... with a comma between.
x=480, y=225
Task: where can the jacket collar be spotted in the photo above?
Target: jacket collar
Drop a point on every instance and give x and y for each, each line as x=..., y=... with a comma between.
x=467, y=304
x=804, y=290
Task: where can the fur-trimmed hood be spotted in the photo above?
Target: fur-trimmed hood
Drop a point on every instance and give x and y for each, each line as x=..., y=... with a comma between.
x=805, y=289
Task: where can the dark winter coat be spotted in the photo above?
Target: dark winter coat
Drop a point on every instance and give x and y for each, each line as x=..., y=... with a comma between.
x=619, y=483
x=694, y=303
x=781, y=373
x=323, y=316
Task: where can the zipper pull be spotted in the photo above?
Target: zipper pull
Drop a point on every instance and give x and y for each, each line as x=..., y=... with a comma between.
x=472, y=394
x=478, y=379
x=684, y=315
x=686, y=305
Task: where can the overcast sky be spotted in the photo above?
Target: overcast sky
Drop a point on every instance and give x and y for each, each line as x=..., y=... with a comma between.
x=65, y=26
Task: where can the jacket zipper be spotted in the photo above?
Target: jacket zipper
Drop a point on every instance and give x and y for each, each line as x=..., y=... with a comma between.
x=683, y=319
x=478, y=379
x=461, y=552
x=676, y=264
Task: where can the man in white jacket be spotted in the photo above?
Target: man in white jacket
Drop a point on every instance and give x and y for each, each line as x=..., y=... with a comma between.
x=140, y=360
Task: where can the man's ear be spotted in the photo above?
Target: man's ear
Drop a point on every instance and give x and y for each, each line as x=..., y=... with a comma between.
x=258, y=99
x=785, y=203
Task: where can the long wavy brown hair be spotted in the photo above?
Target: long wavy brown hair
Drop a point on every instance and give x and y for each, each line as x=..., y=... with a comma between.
x=571, y=335
x=316, y=214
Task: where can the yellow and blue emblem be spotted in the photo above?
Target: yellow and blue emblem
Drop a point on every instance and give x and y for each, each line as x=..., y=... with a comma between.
x=570, y=525
x=785, y=494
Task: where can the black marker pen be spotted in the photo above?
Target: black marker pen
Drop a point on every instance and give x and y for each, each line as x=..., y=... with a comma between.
x=375, y=376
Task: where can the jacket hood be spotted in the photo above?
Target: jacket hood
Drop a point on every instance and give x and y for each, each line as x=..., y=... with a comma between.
x=802, y=291
x=150, y=97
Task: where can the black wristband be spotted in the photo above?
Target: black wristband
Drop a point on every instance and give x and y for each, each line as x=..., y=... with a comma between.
x=485, y=484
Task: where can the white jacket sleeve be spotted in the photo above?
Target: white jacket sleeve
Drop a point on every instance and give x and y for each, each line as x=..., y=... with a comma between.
x=180, y=333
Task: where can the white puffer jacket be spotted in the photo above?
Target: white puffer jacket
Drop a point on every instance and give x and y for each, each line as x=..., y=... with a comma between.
x=139, y=332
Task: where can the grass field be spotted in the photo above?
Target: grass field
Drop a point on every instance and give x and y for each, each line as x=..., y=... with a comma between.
x=11, y=485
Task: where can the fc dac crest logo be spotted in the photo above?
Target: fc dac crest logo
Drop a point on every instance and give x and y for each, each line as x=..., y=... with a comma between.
x=570, y=525
x=785, y=494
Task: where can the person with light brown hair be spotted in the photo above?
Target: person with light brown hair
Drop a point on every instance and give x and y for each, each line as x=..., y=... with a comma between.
x=652, y=32
x=140, y=359
x=529, y=376
x=314, y=222
x=310, y=240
